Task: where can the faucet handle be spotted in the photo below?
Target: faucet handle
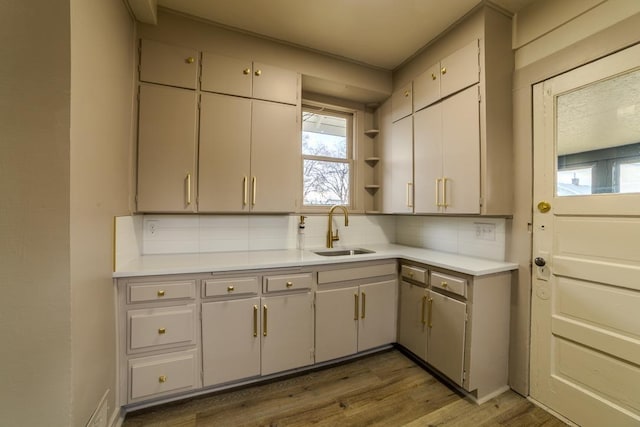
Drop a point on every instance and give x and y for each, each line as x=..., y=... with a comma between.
x=335, y=236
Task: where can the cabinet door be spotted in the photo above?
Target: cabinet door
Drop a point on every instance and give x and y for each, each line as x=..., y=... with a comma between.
x=230, y=340
x=225, y=150
x=447, y=321
x=401, y=102
x=287, y=332
x=426, y=88
x=459, y=70
x=337, y=317
x=275, y=84
x=225, y=74
x=275, y=157
x=168, y=65
x=378, y=314
x=461, y=152
x=401, y=167
x=428, y=159
x=166, y=149
x=412, y=319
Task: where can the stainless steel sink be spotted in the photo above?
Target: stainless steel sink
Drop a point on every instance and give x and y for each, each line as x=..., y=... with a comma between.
x=341, y=252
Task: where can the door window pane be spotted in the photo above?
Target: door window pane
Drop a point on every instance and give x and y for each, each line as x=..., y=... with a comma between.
x=630, y=177
x=572, y=182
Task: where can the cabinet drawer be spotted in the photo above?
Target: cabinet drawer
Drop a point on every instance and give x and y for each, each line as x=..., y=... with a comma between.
x=288, y=282
x=231, y=286
x=356, y=273
x=160, y=291
x=163, y=374
x=162, y=326
x=168, y=65
x=452, y=284
x=414, y=273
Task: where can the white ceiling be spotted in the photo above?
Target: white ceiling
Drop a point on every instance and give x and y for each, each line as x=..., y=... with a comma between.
x=380, y=33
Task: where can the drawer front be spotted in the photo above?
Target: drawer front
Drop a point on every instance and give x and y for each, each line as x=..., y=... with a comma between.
x=231, y=286
x=161, y=291
x=452, y=284
x=356, y=273
x=163, y=374
x=162, y=326
x=288, y=282
x=414, y=273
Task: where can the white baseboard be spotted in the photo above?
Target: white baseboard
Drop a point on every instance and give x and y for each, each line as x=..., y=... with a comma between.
x=117, y=417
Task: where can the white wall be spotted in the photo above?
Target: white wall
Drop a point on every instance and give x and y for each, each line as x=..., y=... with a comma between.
x=35, y=322
x=102, y=94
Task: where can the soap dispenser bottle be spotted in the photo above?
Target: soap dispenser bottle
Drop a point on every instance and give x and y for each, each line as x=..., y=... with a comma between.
x=301, y=227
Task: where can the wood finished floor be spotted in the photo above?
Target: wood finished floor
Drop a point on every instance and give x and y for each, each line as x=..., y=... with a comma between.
x=385, y=389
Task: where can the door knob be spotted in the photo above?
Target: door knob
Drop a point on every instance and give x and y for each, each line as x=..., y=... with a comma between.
x=540, y=262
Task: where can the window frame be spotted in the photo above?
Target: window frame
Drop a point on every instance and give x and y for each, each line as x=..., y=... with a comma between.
x=330, y=110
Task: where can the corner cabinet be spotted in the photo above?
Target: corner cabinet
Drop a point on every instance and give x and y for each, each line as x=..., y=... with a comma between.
x=458, y=325
x=245, y=116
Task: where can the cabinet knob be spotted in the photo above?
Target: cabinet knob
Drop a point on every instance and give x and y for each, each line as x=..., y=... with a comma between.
x=258, y=72
x=406, y=93
x=444, y=70
x=433, y=76
x=444, y=284
x=411, y=274
x=246, y=71
x=230, y=288
x=160, y=293
x=162, y=331
x=289, y=284
x=190, y=60
x=162, y=379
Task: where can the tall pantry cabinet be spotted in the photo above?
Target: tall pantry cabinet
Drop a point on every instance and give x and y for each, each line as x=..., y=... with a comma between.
x=461, y=140
x=224, y=139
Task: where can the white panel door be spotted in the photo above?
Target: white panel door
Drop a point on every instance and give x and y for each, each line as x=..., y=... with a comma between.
x=378, y=314
x=427, y=131
x=336, y=323
x=412, y=319
x=401, y=167
x=585, y=331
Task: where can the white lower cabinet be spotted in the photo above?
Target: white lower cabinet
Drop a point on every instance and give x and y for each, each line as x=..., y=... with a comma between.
x=412, y=318
x=446, y=329
x=163, y=374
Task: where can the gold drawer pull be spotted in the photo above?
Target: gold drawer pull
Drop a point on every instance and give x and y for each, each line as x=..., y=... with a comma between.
x=258, y=72
x=160, y=293
x=289, y=284
x=364, y=305
x=411, y=274
x=406, y=93
x=430, y=312
x=424, y=305
x=255, y=320
x=444, y=284
x=162, y=331
x=162, y=379
x=355, y=306
x=246, y=71
x=190, y=60
x=444, y=70
x=264, y=320
x=230, y=288
x=433, y=76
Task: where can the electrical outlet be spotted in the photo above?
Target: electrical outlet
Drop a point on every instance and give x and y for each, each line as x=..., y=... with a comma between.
x=485, y=231
x=151, y=227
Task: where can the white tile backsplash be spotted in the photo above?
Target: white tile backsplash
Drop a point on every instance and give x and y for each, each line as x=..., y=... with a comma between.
x=223, y=233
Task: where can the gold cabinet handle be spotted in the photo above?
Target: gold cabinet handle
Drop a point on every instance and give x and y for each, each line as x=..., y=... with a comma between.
x=162, y=331
x=254, y=189
x=444, y=285
x=438, y=192
x=258, y=73
x=264, y=320
x=406, y=93
x=430, y=312
x=160, y=293
x=245, y=182
x=255, y=320
x=190, y=60
x=443, y=70
x=411, y=274
x=355, y=307
x=162, y=379
x=246, y=71
x=289, y=284
x=231, y=288
x=409, y=201
x=433, y=76
x=364, y=305
x=444, y=192
x=188, y=184
x=424, y=306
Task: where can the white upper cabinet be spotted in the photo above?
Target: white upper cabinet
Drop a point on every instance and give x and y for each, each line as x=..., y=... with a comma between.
x=401, y=102
x=241, y=77
x=452, y=74
x=168, y=65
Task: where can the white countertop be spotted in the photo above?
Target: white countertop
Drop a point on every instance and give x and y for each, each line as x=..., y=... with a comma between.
x=149, y=265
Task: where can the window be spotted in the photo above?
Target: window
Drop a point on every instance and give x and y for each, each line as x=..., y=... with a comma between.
x=327, y=160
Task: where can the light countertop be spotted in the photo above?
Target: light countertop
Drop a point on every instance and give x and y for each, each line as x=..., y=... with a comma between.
x=150, y=265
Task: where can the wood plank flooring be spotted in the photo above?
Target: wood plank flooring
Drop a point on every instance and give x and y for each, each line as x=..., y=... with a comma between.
x=384, y=389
